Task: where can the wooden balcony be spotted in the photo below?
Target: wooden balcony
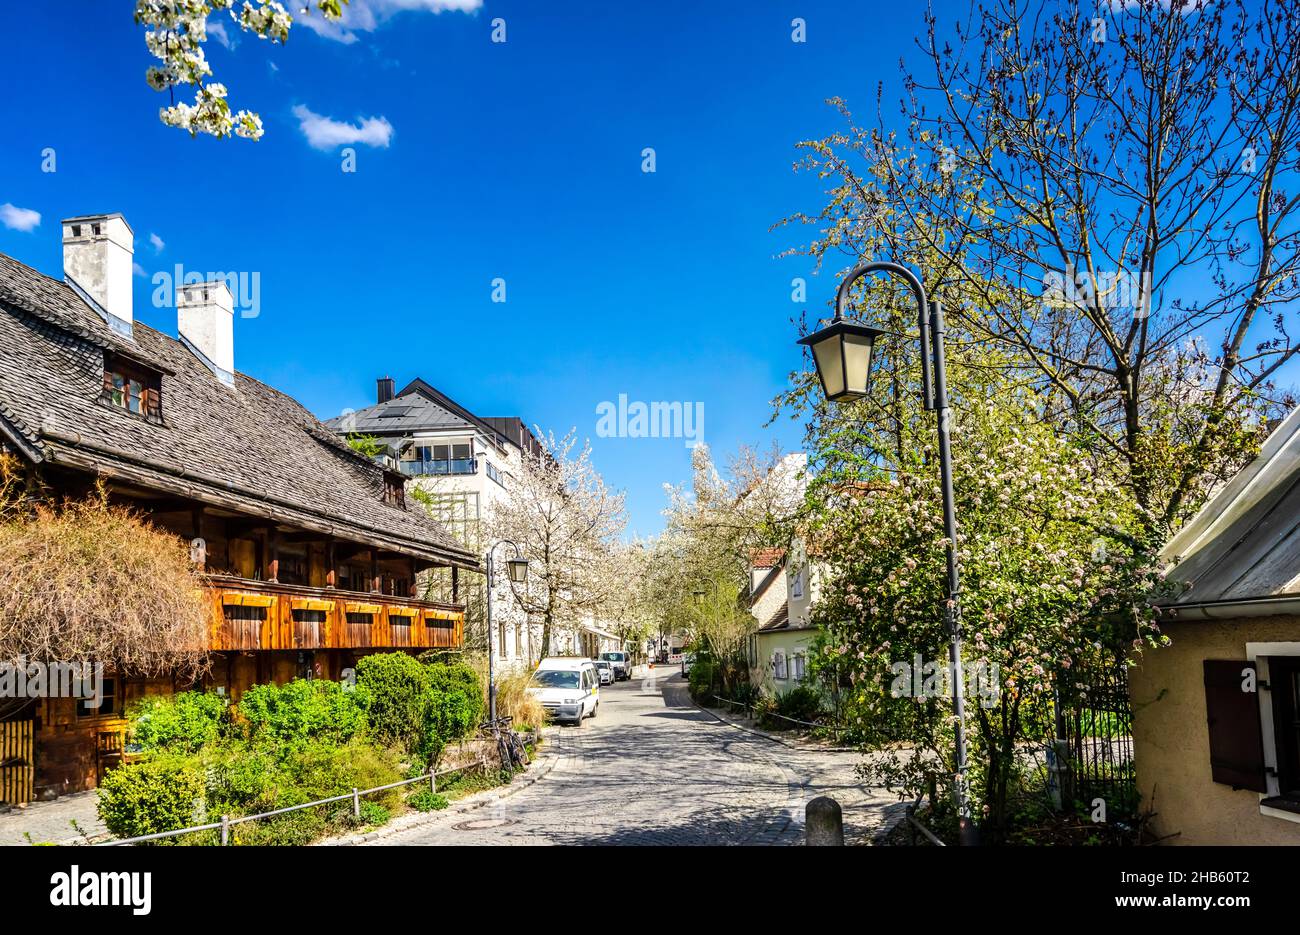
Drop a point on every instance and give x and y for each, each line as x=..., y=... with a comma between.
x=260, y=615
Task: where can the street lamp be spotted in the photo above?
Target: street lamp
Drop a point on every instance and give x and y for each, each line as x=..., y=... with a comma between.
x=517, y=570
x=842, y=354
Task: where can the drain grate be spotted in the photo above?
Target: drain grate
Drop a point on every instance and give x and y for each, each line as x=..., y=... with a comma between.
x=485, y=824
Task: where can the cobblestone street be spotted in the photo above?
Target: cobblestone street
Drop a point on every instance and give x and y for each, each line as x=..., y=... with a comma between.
x=652, y=768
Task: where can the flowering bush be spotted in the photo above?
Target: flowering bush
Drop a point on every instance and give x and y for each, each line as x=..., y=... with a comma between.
x=1050, y=575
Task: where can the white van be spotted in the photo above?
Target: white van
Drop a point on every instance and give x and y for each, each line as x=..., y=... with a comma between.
x=568, y=688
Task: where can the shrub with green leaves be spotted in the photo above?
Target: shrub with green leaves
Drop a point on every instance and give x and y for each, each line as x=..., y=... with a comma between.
x=801, y=703
x=455, y=707
x=181, y=723
x=372, y=813
x=158, y=794
x=426, y=800
x=399, y=690
x=305, y=710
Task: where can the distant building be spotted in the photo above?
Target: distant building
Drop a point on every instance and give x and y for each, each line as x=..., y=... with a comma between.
x=784, y=585
x=465, y=465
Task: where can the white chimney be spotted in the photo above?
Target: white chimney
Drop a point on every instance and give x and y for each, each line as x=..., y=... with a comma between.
x=97, y=261
x=205, y=314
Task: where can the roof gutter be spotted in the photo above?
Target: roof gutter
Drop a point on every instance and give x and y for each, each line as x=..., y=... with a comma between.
x=1277, y=606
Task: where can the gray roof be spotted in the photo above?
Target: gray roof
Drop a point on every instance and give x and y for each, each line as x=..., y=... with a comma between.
x=249, y=447
x=419, y=407
x=1244, y=544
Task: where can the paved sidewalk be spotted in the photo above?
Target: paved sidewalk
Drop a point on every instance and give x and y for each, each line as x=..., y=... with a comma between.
x=52, y=822
x=823, y=768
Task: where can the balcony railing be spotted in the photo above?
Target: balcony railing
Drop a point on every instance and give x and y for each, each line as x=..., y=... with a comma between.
x=448, y=466
x=264, y=615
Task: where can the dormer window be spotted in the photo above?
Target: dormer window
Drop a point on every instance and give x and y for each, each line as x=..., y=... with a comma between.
x=129, y=386
x=395, y=489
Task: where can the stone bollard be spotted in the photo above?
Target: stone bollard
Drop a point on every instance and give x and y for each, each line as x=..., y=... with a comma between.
x=823, y=823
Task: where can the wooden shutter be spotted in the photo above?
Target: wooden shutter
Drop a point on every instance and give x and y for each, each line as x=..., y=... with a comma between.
x=1236, y=742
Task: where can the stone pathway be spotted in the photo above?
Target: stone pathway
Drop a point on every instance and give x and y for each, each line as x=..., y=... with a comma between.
x=51, y=822
x=652, y=768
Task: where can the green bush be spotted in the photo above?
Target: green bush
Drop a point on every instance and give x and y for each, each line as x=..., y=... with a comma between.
x=242, y=779
x=418, y=706
x=704, y=676
x=305, y=710
x=182, y=723
x=801, y=704
x=455, y=706
x=372, y=813
x=426, y=800
x=154, y=795
x=245, y=779
x=398, y=686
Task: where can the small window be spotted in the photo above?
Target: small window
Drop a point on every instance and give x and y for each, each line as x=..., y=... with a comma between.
x=796, y=585
x=108, y=704
x=798, y=665
x=76, y=230
x=133, y=388
x=778, y=665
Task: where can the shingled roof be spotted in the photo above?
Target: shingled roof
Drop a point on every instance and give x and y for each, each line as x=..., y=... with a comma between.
x=249, y=447
x=1241, y=553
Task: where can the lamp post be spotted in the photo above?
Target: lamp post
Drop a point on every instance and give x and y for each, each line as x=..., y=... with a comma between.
x=842, y=353
x=517, y=568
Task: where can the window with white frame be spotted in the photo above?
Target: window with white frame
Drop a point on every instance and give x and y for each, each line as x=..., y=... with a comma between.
x=778, y=665
x=796, y=585
x=797, y=665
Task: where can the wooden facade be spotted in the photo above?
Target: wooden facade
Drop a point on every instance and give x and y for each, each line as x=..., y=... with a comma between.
x=285, y=604
x=256, y=615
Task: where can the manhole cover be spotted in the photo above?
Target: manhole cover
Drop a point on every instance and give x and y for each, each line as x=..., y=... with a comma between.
x=483, y=824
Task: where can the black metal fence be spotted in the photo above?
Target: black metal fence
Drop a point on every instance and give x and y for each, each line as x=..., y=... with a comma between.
x=1093, y=748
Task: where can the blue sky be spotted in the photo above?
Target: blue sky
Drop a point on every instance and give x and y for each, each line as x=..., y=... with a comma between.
x=520, y=161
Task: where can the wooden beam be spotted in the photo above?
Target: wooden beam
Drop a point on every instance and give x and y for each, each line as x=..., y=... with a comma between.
x=273, y=556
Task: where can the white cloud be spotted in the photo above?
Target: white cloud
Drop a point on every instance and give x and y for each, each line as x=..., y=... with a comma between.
x=137, y=269
x=217, y=30
x=369, y=15
x=19, y=219
x=157, y=242
x=326, y=133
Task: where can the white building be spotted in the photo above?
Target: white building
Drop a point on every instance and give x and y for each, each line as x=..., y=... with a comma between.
x=465, y=465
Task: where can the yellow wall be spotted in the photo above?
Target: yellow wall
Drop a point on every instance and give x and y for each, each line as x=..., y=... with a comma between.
x=791, y=641
x=1171, y=743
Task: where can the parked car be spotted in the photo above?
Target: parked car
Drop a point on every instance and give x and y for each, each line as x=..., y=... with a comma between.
x=622, y=663
x=605, y=670
x=568, y=688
